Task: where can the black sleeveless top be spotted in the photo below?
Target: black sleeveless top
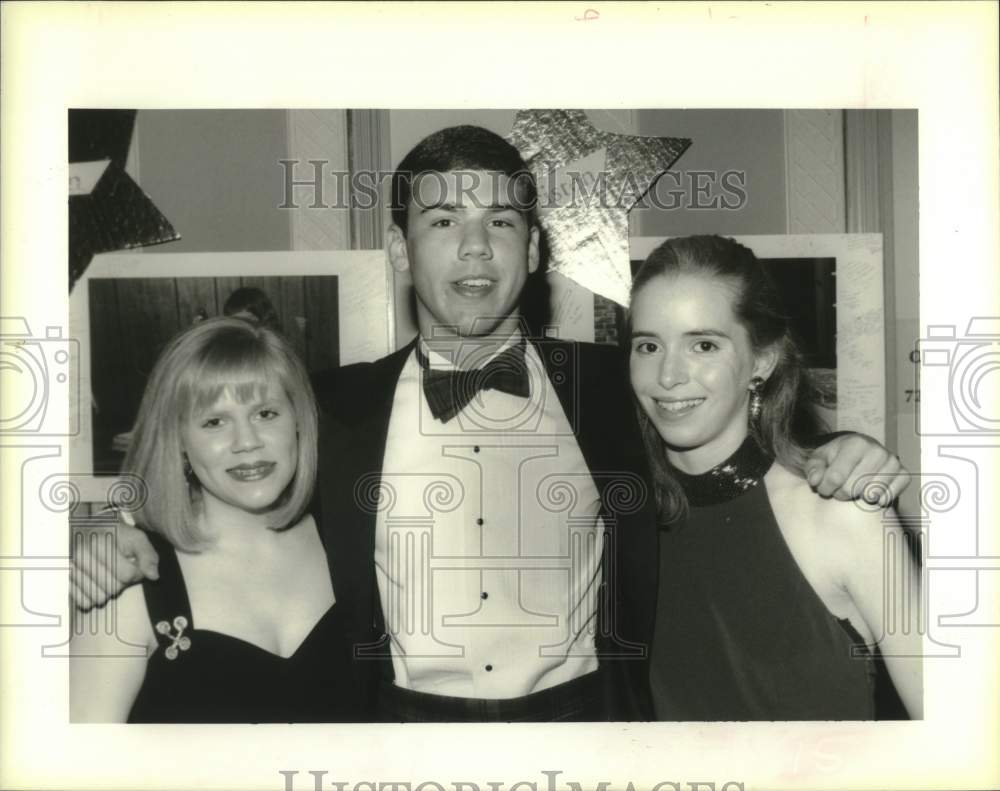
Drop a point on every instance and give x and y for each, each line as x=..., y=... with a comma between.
x=740, y=632
x=199, y=675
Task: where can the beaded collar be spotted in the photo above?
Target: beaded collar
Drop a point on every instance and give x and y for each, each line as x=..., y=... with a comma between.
x=726, y=481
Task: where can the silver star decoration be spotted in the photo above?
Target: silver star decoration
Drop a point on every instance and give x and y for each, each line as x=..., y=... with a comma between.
x=587, y=230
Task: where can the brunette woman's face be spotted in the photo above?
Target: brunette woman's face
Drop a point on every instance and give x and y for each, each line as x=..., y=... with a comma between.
x=690, y=365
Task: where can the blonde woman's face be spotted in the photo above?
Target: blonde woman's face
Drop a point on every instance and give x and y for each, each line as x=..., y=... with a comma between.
x=243, y=453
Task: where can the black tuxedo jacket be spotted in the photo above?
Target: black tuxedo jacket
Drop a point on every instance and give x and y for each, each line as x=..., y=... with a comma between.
x=591, y=382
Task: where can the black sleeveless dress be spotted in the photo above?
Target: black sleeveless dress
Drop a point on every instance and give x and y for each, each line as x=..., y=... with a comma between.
x=740, y=632
x=201, y=676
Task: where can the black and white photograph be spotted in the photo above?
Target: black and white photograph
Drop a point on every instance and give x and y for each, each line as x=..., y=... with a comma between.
x=573, y=423
x=492, y=599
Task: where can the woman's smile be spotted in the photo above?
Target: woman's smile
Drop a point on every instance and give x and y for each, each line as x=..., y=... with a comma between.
x=248, y=473
x=678, y=408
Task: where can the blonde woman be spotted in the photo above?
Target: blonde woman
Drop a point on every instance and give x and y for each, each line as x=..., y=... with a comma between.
x=242, y=624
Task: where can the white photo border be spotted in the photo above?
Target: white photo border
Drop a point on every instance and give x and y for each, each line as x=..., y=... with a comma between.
x=938, y=58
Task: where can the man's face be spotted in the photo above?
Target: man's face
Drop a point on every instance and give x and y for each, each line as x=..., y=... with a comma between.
x=468, y=250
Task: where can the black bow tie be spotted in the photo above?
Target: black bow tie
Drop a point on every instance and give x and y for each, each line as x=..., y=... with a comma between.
x=448, y=392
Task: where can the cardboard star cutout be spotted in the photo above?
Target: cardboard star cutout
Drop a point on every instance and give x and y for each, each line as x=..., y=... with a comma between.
x=588, y=181
x=107, y=209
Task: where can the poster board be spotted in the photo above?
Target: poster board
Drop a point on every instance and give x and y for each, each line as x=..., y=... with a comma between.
x=152, y=296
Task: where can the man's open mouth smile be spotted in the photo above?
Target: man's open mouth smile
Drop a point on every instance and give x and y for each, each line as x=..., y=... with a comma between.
x=473, y=286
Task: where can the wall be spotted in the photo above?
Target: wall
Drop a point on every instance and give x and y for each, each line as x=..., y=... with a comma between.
x=904, y=291
x=216, y=177
x=751, y=141
x=215, y=173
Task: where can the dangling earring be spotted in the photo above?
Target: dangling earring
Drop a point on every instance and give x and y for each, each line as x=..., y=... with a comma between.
x=756, y=401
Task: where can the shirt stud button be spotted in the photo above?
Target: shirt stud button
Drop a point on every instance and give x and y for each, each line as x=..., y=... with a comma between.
x=479, y=521
x=475, y=449
x=489, y=668
x=484, y=595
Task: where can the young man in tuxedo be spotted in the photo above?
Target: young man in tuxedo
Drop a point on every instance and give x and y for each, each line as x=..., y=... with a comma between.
x=503, y=583
x=483, y=494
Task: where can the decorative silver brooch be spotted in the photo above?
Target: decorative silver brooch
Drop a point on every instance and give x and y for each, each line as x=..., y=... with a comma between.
x=179, y=641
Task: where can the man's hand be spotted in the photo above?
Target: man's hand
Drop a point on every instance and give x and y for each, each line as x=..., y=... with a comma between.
x=850, y=466
x=106, y=561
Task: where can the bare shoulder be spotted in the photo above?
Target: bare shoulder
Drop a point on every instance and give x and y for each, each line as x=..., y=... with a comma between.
x=794, y=491
x=133, y=617
x=108, y=660
x=783, y=482
x=844, y=532
x=130, y=618
x=791, y=495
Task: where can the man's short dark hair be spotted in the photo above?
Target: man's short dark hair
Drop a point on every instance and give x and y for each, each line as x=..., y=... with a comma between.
x=462, y=148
